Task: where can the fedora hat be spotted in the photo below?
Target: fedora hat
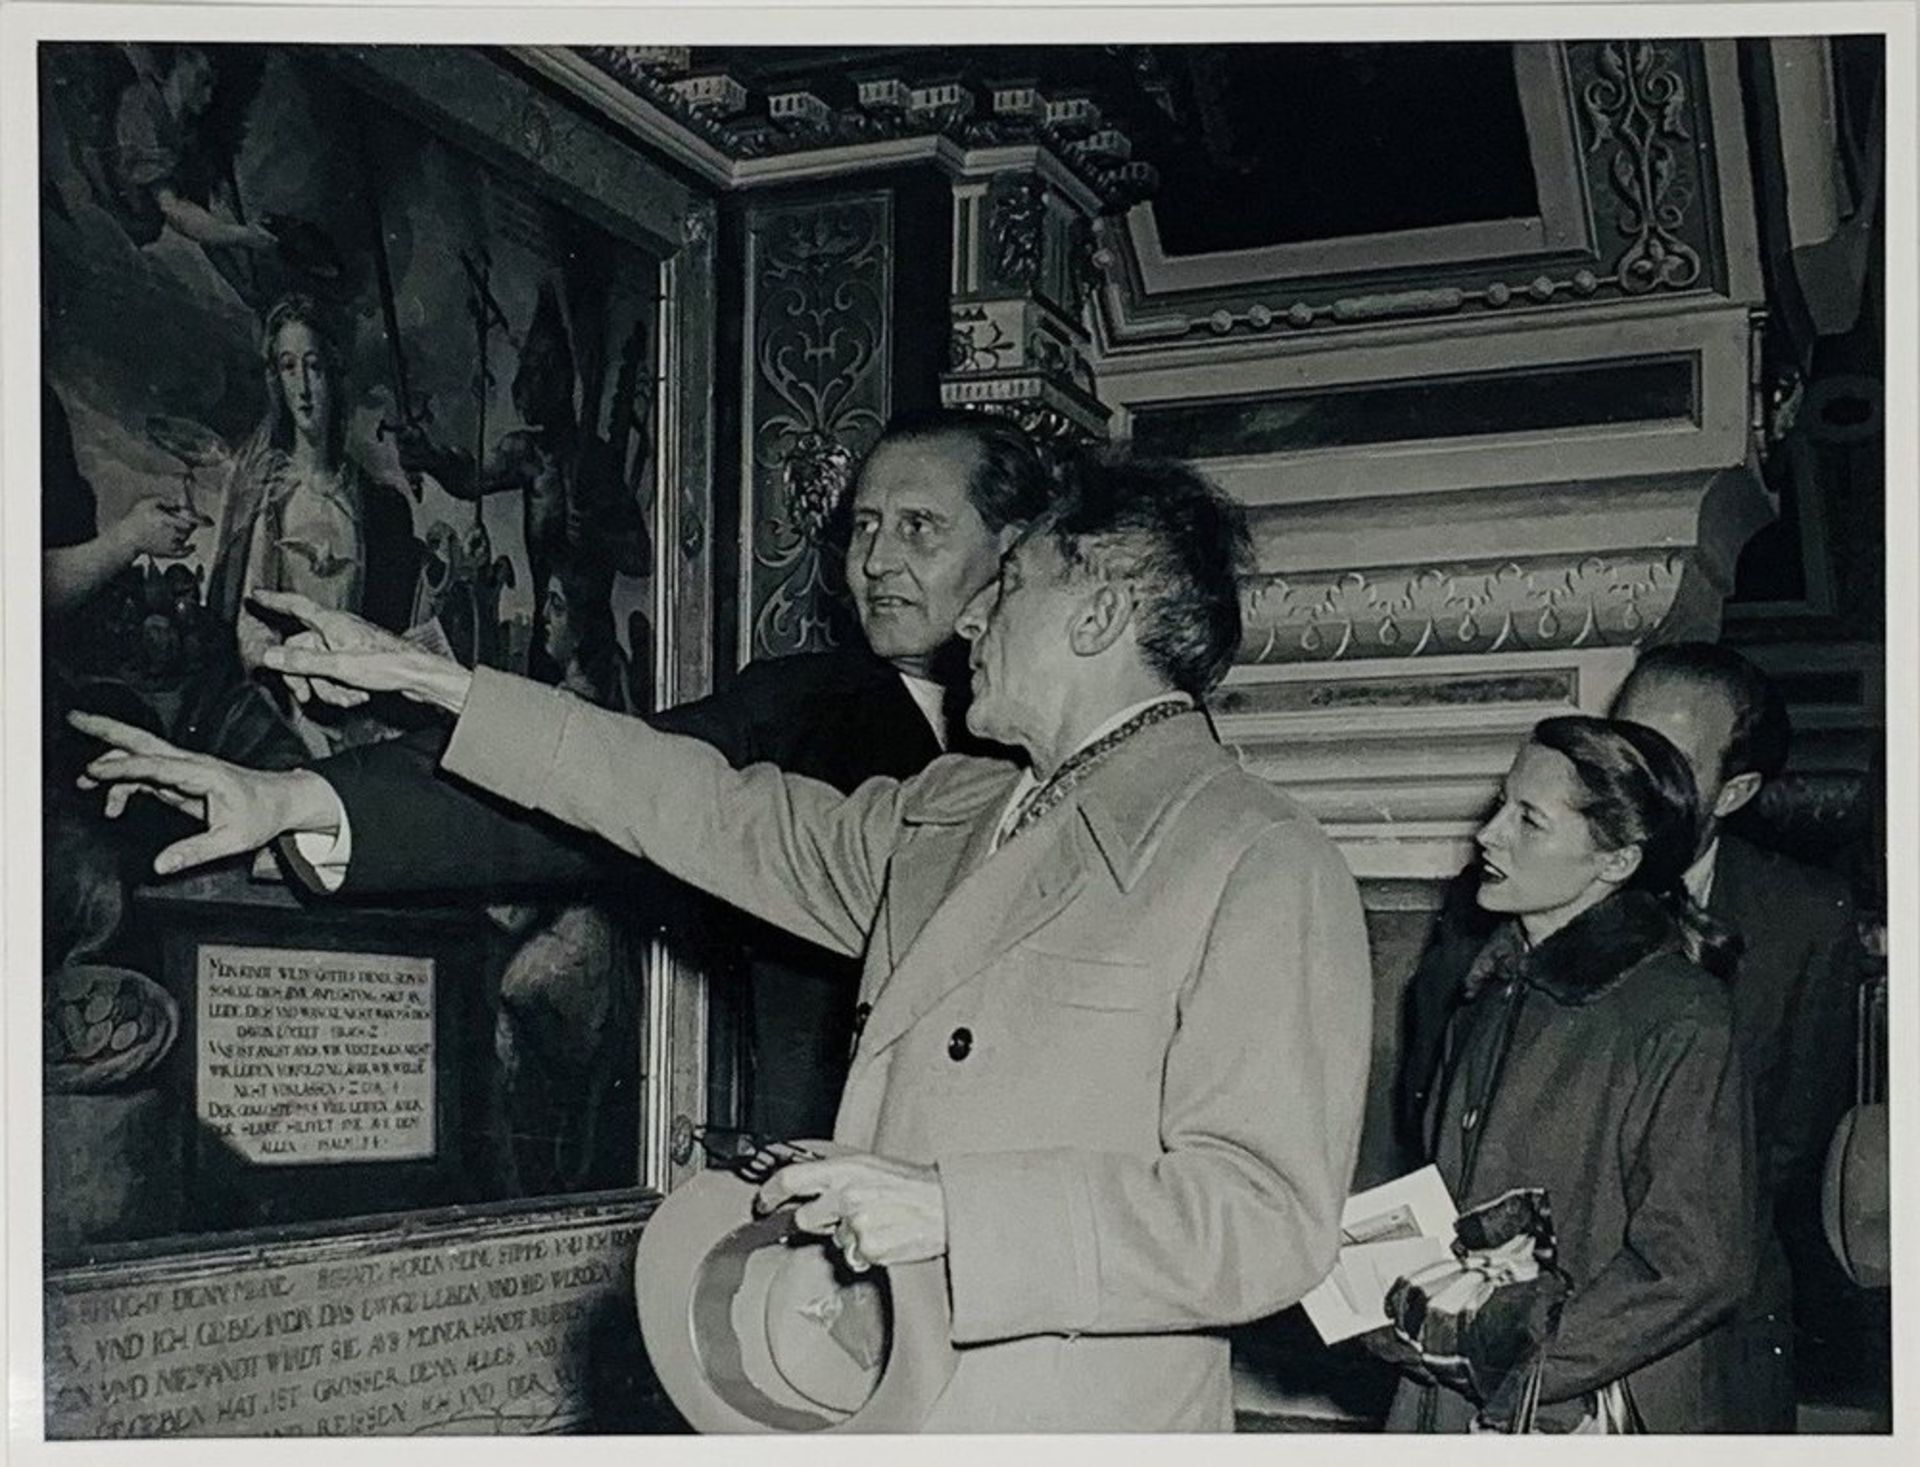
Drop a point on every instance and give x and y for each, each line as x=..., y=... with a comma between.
x=753, y=1326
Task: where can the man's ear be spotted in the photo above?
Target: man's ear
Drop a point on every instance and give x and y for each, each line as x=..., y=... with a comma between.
x=1736, y=794
x=1617, y=866
x=1102, y=617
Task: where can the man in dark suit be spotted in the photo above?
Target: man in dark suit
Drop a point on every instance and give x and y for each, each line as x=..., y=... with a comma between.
x=1793, y=993
x=934, y=504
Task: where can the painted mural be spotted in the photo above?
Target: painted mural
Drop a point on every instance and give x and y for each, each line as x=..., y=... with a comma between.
x=295, y=340
x=309, y=345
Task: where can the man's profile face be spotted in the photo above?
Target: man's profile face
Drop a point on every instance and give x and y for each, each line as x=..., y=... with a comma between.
x=1696, y=720
x=919, y=549
x=1019, y=626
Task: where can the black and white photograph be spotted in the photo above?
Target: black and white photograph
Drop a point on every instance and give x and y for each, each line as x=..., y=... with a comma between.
x=911, y=722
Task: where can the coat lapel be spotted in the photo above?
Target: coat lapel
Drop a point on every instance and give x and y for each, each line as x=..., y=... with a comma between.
x=1000, y=898
x=958, y=907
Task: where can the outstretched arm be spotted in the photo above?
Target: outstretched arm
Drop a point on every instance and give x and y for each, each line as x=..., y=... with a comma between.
x=70, y=574
x=416, y=829
x=243, y=809
x=792, y=850
x=202, y=226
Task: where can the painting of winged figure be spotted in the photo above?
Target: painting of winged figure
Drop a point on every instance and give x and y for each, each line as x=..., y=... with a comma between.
x=338, y=355
x=294, y=339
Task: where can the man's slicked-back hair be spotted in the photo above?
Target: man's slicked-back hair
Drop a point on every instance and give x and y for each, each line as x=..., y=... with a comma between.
x=1014, y=480
x=1182, y=543
x=1762, y=731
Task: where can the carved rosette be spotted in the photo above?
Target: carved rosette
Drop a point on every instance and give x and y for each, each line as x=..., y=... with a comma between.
x=1553, y=605
x=1636, y=107
x=821, y=284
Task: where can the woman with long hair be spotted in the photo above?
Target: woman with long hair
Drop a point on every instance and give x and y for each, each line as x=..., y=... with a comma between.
x=300, y=514
x=291, y=519
x=1593, y=1056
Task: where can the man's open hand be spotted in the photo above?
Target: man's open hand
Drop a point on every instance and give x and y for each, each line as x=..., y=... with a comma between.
x=876, y=1210
x=243, y=808
x=342, y=659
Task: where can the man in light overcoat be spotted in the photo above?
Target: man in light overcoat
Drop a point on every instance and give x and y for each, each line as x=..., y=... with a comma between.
x=1117, y=1003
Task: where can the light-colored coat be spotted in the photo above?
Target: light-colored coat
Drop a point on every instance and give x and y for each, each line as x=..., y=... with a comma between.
x=1134, y=1040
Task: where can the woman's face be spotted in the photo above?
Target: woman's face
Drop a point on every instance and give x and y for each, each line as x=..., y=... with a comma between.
x=560, y=639
x=300, y=366
x=1538, y=860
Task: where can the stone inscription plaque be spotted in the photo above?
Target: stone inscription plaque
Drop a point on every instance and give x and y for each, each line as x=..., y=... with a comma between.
x=498, y=1326
x=313, y=1057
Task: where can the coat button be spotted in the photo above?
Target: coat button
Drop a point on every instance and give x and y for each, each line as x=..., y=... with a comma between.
x=960, y=1044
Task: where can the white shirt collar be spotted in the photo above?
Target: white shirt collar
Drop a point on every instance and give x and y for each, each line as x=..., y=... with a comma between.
x=1698, y=877
x=932, y=698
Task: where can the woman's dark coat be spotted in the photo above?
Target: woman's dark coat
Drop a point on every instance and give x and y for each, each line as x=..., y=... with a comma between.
x=1602, y=1066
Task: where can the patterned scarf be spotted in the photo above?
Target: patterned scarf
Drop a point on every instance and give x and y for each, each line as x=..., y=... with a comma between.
x=1050, y=793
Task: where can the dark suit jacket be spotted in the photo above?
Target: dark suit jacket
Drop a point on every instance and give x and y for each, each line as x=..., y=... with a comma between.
x=842, y=717
x=1793, y=1006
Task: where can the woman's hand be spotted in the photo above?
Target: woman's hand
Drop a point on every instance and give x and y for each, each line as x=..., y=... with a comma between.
x=342, y=659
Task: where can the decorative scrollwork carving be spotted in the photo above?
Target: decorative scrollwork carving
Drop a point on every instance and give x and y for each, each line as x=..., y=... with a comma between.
x=1638, y=104
x=1016, y=229
x=1038, y=420
x=979, y=342
x=1590, y=602
x=819, y=400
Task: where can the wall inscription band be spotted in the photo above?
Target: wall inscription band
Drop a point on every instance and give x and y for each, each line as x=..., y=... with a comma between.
x=465, y=1325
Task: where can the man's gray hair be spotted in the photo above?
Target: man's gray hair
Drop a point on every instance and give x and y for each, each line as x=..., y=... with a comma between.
x=1183, y=545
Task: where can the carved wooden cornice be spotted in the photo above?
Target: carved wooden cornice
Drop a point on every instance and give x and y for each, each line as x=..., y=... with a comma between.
x=717, y=109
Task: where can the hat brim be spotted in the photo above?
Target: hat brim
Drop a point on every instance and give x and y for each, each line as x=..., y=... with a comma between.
x=716, y=1304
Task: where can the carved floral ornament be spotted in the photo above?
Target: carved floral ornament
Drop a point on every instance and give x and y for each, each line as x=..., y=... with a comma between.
x=1430, y=611
x=819, y=399
x=1638, y=103
x=1038, y=420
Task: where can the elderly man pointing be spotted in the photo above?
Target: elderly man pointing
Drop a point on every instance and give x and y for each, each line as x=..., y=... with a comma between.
x=1117, y=1003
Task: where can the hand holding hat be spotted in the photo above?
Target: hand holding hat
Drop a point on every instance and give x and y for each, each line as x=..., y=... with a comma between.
x=754, y=1321
x=876, y=1210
